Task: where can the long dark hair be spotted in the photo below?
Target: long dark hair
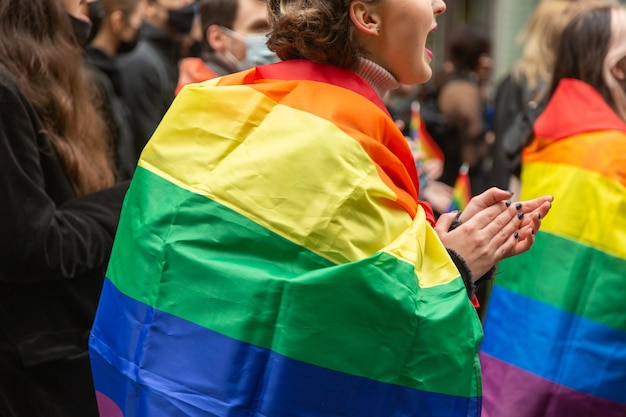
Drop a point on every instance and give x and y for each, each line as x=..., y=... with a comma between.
x=583, y=49
x=38, y=48
x=583, y=46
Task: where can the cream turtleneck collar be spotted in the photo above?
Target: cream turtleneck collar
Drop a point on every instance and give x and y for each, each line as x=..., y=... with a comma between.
x=379, y=78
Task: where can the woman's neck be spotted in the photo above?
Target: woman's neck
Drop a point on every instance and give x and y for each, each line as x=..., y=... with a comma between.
x=379, y=78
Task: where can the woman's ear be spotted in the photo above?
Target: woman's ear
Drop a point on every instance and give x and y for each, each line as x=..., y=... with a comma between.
x=619, y=70
x=618, y=73
x=365, y=17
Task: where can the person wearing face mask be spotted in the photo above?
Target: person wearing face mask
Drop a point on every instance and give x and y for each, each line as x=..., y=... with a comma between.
x=234, y=39
x=190, y=44
x=95, y=11
x=150, y=71
x=82, y=26
x=59, y=212
x=118, y=32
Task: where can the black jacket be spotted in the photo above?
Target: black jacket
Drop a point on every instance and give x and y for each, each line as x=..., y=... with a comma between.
x=149, y=76
x=54, y=246
x=515, y=114
x=115, y=109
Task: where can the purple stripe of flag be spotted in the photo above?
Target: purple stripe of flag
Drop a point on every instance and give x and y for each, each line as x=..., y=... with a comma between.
x=536, y=396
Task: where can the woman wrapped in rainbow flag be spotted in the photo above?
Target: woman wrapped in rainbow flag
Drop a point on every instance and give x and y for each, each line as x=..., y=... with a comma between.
x=273, y=258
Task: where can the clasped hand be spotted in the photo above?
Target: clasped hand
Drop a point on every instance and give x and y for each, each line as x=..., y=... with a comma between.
x=492, y=228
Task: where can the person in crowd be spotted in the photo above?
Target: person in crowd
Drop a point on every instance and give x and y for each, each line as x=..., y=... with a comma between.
x=521, y=95
x=234, y=35
x=555, y=329
x=273, y=256
x=191, y=43
x=457, y=112
x=94, y=11
x=118, y=33
x=150, y=71
x=59, y=208
x=404, y=107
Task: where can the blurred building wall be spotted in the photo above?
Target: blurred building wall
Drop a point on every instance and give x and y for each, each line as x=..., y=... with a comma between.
x=509, y=18
x=503, y=19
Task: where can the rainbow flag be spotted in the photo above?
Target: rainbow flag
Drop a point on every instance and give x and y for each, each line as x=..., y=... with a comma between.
x=555, y=331
x=272, y=260
x=421, y=140
x=462, y=191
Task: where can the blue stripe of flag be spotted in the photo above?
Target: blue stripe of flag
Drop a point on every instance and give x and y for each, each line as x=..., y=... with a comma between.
x=190, y=370
x=592, y=359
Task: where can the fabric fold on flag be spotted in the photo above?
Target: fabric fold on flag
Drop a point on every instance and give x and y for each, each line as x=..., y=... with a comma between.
x=421, y=140
x=272, y=259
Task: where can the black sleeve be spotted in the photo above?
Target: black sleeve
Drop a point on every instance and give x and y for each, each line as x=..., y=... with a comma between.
x=42, y=240
x=141, y=91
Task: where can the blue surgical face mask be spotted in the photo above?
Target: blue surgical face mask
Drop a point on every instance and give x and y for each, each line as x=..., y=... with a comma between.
x=257, y=52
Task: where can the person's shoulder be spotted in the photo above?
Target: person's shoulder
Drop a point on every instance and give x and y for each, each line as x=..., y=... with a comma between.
x=142, y=53
x=139, y=64
x=100, y=79
x=511, y=83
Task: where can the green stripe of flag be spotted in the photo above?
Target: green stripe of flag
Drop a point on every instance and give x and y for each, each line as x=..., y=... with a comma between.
x=200, y=261
x=575, y=277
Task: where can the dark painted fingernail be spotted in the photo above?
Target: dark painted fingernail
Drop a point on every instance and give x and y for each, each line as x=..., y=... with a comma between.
x=520, y=215
x=532, y=231
x=508, y=203
x=538, y=216
x=515, y=235
x=518, y=206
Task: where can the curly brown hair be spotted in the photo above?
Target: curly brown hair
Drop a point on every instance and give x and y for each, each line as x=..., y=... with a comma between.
x=317, y=30
x=38, y=48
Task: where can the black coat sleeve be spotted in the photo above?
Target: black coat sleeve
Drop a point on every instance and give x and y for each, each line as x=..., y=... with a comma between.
x=46, y=232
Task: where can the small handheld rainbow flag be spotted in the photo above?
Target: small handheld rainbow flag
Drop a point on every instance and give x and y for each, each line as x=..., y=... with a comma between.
x=462, y=193
x=422, y=141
